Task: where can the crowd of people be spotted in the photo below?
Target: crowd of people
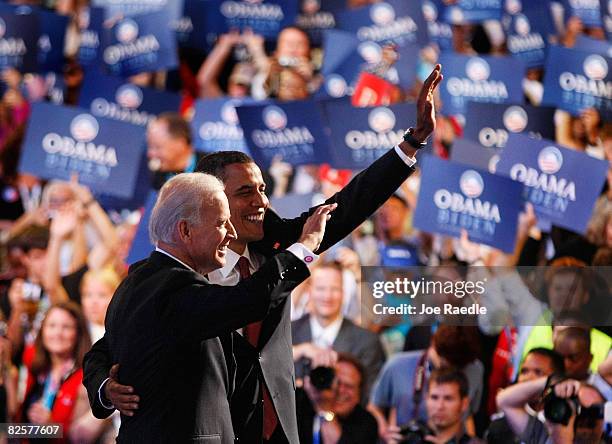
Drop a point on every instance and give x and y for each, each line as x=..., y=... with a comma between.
x=535, y=368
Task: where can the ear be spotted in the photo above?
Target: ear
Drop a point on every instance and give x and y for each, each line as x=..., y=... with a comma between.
x=465, y=404
x=184, y=230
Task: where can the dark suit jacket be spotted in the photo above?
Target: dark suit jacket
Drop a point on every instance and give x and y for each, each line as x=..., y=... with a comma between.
x=353, y=340
x=274, y=358
x=155, y=328
x=359, y=427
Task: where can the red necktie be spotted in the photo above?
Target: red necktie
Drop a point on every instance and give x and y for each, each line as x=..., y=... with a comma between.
x=251, y=333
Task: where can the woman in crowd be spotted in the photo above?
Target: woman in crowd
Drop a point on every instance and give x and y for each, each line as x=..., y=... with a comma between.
x=97, y=289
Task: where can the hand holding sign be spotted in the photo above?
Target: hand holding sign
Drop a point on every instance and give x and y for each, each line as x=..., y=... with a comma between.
x=426, y=112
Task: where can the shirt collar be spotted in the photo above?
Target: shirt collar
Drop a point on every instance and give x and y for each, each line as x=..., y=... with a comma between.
x=329, y=333
x=231, y=259
x=176, y=259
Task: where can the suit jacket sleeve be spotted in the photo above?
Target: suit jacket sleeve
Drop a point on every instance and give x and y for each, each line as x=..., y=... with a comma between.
x=356, y=202
x=204, y=311
x=96, y=365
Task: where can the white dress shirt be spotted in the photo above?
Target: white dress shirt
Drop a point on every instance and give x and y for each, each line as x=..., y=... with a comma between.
x=324, y=337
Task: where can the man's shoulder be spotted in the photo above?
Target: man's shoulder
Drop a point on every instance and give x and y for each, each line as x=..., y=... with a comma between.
x=404, y=360
x=359, y=333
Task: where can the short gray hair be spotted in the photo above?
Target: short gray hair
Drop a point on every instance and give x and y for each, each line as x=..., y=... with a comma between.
x=181, y=198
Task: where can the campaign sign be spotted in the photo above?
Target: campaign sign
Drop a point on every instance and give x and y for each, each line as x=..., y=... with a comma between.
x=19, y=35
x=455, y=197
x=113, y=98
x=140, y=43
x=471, y=153
x=141, y=245
x=528, y=26
x=439, y=31
x=391, y=21
x=575, y=80
x=473, y=11
x=91, y=21
x=215, y=125
x=587, y=44
x=51, y=41
x=345, y=57
x=315, y=18
x=587, y=10
x=480, y=79
x=64, y=140
x=362, y=135
x=128, y=8
x=606, y=16
x=264, y=17
x=562, y=184
x=292, y=131
x=490, y=124
x=191, y=26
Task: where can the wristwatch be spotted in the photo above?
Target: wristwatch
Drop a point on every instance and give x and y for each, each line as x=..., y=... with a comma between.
x=410, y=140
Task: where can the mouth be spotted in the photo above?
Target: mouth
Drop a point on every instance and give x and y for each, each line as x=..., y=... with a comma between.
x=256, y=218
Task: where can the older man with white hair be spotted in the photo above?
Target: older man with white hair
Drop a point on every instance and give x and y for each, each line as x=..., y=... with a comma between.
x=161, y=320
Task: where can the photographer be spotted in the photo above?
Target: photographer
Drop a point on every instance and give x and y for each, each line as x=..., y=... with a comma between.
x=329, y=413
x=446, y=402
x=573, y=411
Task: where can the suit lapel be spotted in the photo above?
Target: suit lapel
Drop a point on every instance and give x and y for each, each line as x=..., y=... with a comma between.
x=344, y=336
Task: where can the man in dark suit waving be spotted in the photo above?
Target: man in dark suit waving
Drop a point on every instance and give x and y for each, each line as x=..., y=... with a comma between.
x=166, y=307
x=263, y=404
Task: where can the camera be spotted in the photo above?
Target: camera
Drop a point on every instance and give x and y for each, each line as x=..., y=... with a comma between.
x=322, y=378
x=31, y=292
x=559, y=410
x=415, y=432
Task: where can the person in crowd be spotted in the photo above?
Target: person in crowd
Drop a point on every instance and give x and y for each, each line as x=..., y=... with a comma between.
x=316, y=336
x=97, y=289
x=585, y=425
x=169, y=297
x=539, y=362
x=331, y=412
x=398, y=393
x=582, y=133
x=54, y=392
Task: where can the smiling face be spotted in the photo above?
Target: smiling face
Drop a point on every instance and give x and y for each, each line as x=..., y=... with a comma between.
x=245, y=190
x=95, y=297
x=59, y=333
x=348, y=392
x=206, y=242
x=326, y=293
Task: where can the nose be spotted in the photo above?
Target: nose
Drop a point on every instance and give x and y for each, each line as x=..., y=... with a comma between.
x=261, y=200
x=231, y=231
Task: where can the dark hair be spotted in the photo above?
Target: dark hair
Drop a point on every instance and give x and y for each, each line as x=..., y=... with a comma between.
x=352, y=360
x=556, y=361
x=178, y=128
x=449, y=376
x=42, y=360
x=459, y=345
x=576, y=334
x=33, y=237
x=215, y=163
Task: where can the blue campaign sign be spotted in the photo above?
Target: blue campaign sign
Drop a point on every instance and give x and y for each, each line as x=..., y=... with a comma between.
x=128, y=8
x=473, y=11
x=601, y=47
x=19, y=35
x=215, y=125
x=575, y=80
x=141, y=245
x=455, y=197
x=528, y=26
x=292, y=131
x=51, y=42
x=117, y=99
x=140, y=43
x=191, y=26
x=554, y=179
x=91, y=21
x=479, y=79
x=391, y=21
x=468, y=152
x=606, y=16
x=345, y=57
x=264, y=17
x=63, y=140
x=490, y=124
x=315, y=18
x=587, y=10
x=362, y=135
x=439, y=31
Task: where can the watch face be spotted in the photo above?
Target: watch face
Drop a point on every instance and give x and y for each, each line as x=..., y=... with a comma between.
x=328, y=416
